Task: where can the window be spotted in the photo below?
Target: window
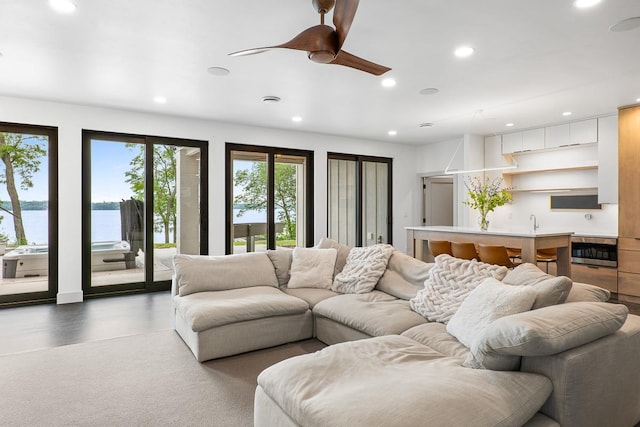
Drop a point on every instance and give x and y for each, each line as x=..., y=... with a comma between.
x=144, y=200
x=269, y=198
x=359, y=199
x=28, y=213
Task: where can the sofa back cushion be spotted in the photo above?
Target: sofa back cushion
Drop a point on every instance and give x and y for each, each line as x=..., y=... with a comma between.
x=404, y=276
x=281, y=259
x=341, y=257
x=550, y=289
x=585, y=292
x=200, y=273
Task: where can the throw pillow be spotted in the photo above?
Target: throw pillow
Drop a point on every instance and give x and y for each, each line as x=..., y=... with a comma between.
x=547, y=331
x=312, y=268
x=281, y=259
x=363, y=269
x=448, y=283
x=488, y=302
x=341, y=257
x=551, y=290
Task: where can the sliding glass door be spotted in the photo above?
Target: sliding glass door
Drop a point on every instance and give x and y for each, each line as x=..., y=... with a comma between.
x=28, y=213
x=144, y=200
x=269, y=198
x=359, y=199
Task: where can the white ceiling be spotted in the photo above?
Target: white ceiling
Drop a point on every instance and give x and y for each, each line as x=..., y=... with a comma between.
x=533, y=60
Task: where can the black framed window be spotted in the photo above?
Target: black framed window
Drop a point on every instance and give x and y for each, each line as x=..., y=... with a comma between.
x=359, y=207
x=144, y=199
x=28, y=213
x=269, y=198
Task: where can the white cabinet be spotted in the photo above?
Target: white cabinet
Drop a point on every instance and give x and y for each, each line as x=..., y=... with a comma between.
x=608, y=159
x=557, y=136
x=511, y=143
x=523, y=141
x=533, y=139
x=583, y=132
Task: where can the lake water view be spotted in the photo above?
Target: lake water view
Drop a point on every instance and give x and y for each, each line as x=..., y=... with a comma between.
x=105, y=225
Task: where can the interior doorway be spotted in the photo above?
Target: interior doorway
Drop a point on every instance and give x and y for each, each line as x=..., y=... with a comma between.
x=437, y=200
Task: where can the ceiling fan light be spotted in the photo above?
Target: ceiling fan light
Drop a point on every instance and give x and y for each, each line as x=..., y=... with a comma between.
x=321, y=56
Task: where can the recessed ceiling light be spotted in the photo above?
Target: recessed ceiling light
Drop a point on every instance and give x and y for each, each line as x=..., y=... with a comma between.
x=63, y=6
x=296, y=119
x=388, y=82
x=270, y=99
x=509, y=125
x=637, y=99
x=429, y=91
x=626, y=25
x=218, y=71
x=583, y=4
x=160, y=99
x=567, y=113
x=464, y=51
x=392, y=133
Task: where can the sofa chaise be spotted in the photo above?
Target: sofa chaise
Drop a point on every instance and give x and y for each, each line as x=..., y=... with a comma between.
x=565, y=357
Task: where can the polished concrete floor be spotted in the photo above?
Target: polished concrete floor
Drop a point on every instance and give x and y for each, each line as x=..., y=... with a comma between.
x=50, y=325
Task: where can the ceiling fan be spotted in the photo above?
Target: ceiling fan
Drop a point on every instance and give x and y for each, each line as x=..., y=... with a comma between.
x=324, y=44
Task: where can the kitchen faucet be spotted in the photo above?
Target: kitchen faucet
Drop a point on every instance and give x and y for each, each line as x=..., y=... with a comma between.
x=535, y=222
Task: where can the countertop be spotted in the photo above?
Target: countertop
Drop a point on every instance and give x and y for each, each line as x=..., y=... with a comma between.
x=494, y=232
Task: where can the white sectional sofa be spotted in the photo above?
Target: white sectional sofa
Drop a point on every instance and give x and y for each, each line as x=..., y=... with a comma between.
x=573, y=362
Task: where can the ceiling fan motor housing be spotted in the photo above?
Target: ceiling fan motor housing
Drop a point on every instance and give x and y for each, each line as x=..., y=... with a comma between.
x=323, y=6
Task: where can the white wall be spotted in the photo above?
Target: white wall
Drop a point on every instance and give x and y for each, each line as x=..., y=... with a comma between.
x=72, y=119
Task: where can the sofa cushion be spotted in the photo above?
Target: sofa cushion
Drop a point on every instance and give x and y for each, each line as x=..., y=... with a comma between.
x=205, y=310
x=311, y=295
x=551, y=290
x=404, y=276
x=312, y=268
x=435, y=336
x=281, y=260
x=200, y=273
x=418, y=386
x=486, y=303
x=363, y=269
x=585, y=292
x=343, y=252
x=375, y=313
x=449, y=282
x=547, y=331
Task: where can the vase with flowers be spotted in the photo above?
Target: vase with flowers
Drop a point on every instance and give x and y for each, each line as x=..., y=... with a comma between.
x=485, y=196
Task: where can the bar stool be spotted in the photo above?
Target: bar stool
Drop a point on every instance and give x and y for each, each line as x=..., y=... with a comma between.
x=547, y=256
x=439, y=247
x=464, y=250
x=497, y=255
x=514, y=254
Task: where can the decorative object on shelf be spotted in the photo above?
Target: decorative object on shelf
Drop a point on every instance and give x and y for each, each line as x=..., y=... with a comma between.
x=485, y=196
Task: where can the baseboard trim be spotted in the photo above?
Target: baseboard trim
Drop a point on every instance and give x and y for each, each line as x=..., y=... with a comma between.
x=69, y=297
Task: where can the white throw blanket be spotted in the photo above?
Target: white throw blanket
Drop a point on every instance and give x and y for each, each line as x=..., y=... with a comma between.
x=449, y=282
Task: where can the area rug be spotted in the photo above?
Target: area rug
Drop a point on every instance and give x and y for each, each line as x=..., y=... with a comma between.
x=140, y=380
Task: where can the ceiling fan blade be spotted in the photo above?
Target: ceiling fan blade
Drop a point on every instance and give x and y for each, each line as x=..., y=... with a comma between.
x=319, y=38
x=349, y=60
x=253, y=51
x=343, y=13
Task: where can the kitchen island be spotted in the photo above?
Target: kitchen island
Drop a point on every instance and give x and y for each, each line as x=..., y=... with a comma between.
x=528, y=242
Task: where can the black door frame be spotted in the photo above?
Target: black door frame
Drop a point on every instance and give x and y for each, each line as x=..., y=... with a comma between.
x=359, y=199
x=271, y=153
x=148, y=285
x=50, y=294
